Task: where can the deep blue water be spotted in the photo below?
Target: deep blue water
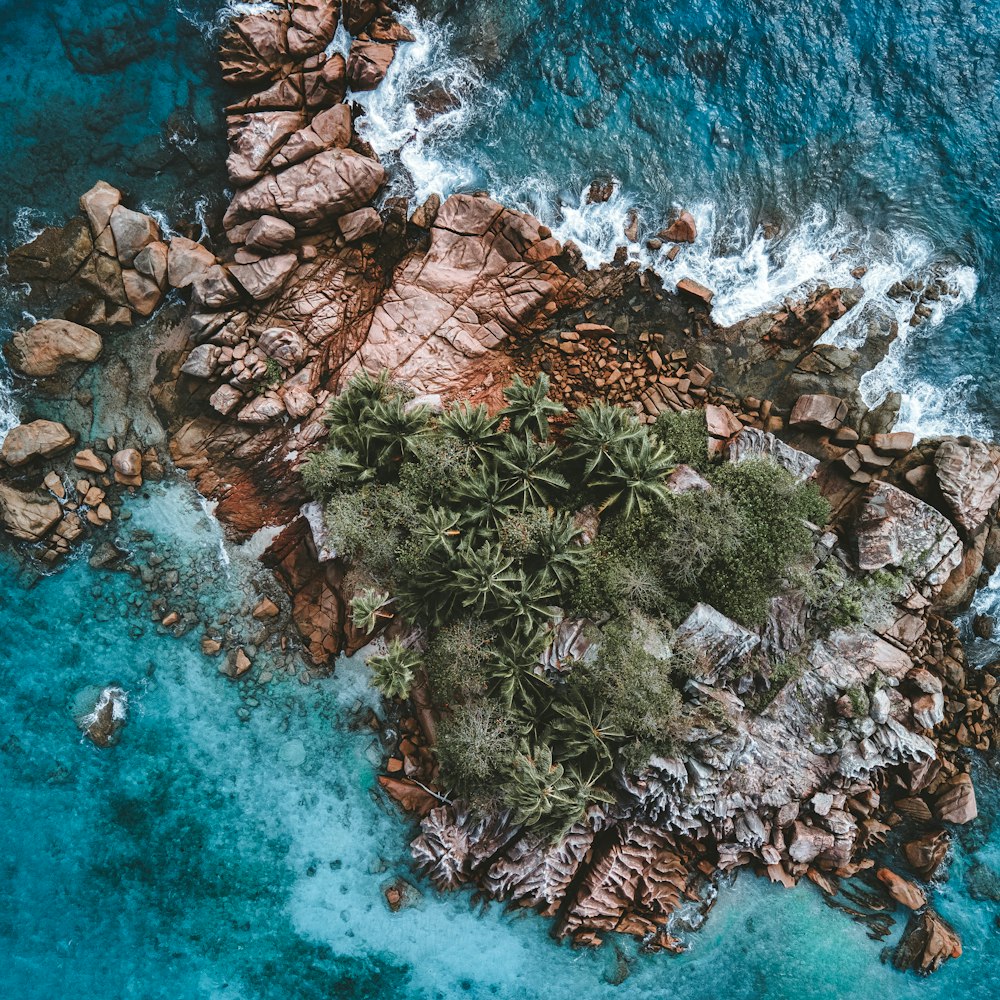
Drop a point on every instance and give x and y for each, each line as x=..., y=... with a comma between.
x=231, y=845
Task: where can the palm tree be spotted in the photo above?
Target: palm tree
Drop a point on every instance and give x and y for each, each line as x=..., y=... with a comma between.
x=597, y=435
x=436, y=532
x=583, y=727
x=363, y=390
x=483, y=578
x=636, y=476
x=528, y=406
x=484, y=498
x=558, y=552
x=538, y=785
x=389, y=430
x=530, y=469
x=472, y=426
x=528, y=607
x=367, y=608
x=393, y=673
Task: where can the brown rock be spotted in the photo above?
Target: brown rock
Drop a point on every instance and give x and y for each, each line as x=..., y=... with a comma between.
x=409, y=795
x=897, y=443
x=682, y=230
x=927, y=944
x=925, y=853
x=187, y=261
x=368, y=62
x=968, y=473
x=688, y=286
x=27, y=516
x=819, y=410
x=151, y=261
x=210, y=646
x=143, y=293
x=270, y=234
x=423, y=217
x=330, y=129
x=170, y=619
x=311, y=193
x=901, y=890
x=264, y=278
x=37, y=439
x=50, y=344
x=265, y=609
x=357, y=225
x=956, y=803
x=721, y=422
x=132, y=231
x=98, y=203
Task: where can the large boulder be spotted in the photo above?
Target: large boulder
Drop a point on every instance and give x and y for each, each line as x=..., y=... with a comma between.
x=928, y=942
x=717, y=641
x=37, y=439
x=264, y=278
x=132, y=232
x=28, y=516
x=753, y=443
x=818, y=411
x=896, y=529
x=310, y=194
x=925, y=853
x=187, y=261
x=50, y=344
x=968, y=473
x=902, y=890
x=682, y=230
x=956, y=802
x=368, y=62
x=98, y=203
x=286, y=346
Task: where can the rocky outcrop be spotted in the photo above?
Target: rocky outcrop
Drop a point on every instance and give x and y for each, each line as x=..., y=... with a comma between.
x=103, y=714
x=311, y=194
x=928, y=942
x=51, y=344
x=27, y=516
x=34, y=440
x=895, y=529
x=751, y=442
x=968, y=474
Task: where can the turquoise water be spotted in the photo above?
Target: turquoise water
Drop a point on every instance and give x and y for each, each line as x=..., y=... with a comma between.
x=232, y=844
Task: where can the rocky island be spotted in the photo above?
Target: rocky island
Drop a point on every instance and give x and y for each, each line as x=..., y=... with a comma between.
x=650, y=599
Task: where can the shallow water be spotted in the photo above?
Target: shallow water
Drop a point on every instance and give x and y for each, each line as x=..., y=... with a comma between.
x=232, y=849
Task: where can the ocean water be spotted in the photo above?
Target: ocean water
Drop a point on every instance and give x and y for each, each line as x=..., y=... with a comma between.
x=867, y=132
x=233, y=843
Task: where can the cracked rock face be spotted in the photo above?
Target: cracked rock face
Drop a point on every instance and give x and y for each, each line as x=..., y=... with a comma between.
x=968, y=474
x=895, y=528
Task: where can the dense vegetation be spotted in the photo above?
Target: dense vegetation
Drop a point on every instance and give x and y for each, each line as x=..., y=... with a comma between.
x=468, y=527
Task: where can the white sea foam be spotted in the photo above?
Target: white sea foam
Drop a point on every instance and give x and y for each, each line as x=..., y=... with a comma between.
x=393, y=123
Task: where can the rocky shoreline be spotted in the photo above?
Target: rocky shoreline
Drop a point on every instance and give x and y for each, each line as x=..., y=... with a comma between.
x=314, y=278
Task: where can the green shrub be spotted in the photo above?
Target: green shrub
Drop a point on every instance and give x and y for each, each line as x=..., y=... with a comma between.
x=772, y=536
x=476, y=747
x=457, y=660
x=686, y=436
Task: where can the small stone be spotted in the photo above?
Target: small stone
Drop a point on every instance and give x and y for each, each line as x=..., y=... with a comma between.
x=89, y=462
x=265, y=609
